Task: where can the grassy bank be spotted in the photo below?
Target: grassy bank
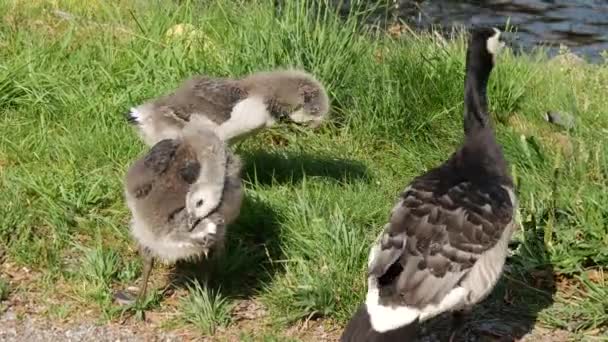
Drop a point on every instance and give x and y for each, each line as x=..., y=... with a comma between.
x=314, y=200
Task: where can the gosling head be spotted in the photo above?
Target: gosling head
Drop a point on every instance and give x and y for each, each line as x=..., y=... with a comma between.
x=292, y=95
x=202, y=199
x=312, y=104
x=207, y=181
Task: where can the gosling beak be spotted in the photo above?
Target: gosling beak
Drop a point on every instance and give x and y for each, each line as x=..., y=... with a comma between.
x=193, y=221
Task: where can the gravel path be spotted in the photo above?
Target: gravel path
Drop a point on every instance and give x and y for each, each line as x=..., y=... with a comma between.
x=28, y=329
x=19, y=326
x=32, y=330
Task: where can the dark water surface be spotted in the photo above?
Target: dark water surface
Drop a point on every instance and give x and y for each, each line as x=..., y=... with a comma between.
x=581, y=25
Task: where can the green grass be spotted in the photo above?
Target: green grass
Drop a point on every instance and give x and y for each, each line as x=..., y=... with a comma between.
x=5, y=289
x=314, y=200
x=206, y=309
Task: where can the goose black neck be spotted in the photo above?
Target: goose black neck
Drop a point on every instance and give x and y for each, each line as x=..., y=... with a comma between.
x=478, y=68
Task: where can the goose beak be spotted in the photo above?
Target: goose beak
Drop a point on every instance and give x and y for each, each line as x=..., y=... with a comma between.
x=193, y=221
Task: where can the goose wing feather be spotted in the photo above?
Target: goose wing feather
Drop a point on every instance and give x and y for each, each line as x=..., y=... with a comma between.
x=213, y=98
x=435, y=236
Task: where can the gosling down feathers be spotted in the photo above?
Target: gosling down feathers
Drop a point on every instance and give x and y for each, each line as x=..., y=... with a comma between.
x=160, y=186
x=234, y=108
x=445, y=245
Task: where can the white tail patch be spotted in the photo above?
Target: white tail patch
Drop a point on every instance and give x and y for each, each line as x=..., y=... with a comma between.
x=386, y=318
x=138, y=114
x=150, y=130
x=453, y=301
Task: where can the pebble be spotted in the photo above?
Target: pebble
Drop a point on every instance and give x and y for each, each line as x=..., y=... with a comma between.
x=564, y=120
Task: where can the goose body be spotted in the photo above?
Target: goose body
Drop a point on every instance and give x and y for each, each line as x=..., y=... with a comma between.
x=159, y=186
x=233, y=108
x=446, y=241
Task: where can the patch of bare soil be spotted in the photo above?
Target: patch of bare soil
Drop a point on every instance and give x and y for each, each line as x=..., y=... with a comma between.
x=249, y=320
x=23, y=317
x=16, y=328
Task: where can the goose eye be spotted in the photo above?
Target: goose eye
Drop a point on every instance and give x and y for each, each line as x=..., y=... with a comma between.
x=199, y=203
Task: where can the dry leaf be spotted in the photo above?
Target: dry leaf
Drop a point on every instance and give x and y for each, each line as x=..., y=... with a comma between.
x=396, y=30
x=596, y=275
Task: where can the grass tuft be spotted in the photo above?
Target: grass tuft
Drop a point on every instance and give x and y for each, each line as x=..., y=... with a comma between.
x=101, y=266
x=205, y=308
x=5, y=289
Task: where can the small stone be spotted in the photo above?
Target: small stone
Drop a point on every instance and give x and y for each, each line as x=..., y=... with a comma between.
x=64, y=15
x=124, y=298
x=564, y=120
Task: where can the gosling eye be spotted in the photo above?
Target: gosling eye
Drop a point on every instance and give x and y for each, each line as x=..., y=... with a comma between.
x=199, y=203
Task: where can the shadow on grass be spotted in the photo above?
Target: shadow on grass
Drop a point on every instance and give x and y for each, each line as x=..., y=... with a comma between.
x=252, y=243
x=511, y=312
x=265, y=168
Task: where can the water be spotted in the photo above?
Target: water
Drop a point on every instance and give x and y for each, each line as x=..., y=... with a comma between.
x=581, y=25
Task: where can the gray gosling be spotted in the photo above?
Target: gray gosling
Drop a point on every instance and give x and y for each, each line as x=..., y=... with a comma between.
x=161, y=186
x=233, y=108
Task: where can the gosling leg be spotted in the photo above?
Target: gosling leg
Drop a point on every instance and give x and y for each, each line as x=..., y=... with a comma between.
x=148, y=261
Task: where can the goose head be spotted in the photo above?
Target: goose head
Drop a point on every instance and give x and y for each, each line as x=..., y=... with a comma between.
x=486, y=44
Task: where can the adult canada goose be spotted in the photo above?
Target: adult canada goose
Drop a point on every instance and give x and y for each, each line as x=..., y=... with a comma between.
x=234, y=108
x=158, y=187
x=445, y=245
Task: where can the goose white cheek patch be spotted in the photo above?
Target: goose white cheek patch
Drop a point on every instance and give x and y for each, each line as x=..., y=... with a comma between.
x=494, y=45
